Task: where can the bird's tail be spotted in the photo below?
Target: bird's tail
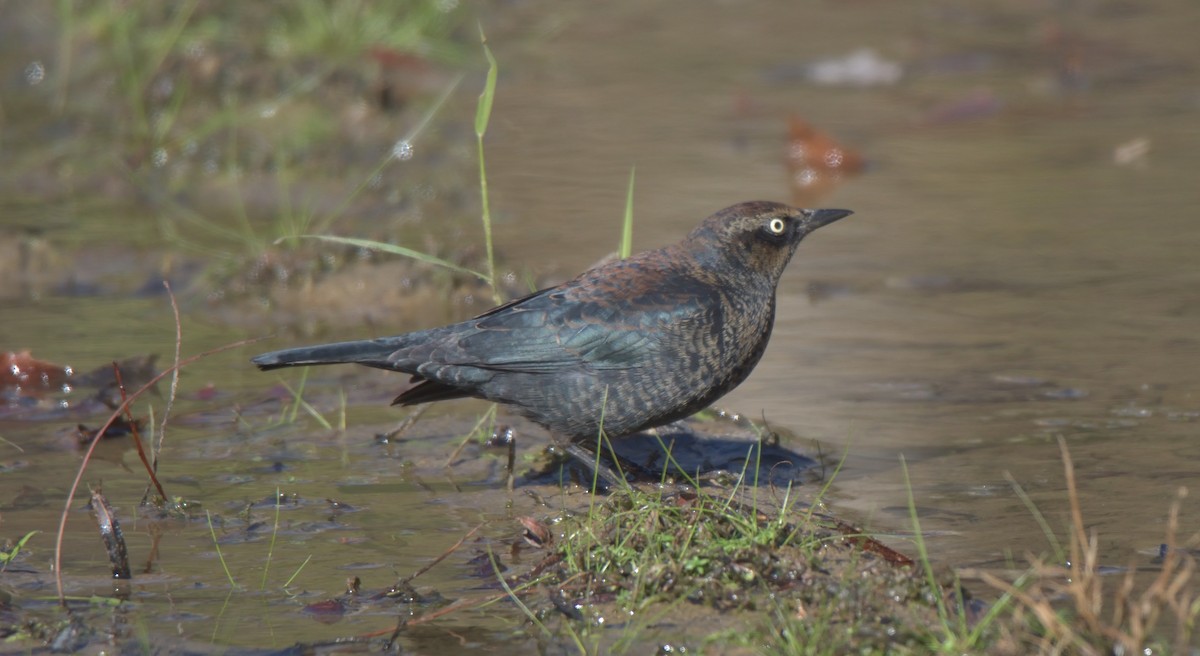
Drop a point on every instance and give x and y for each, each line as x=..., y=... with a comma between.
x=370, y=352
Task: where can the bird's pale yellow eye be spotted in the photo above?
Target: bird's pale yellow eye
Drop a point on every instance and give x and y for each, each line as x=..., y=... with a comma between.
x=776, y=226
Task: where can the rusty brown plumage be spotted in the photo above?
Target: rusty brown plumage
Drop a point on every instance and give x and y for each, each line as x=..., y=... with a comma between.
x=626, y=346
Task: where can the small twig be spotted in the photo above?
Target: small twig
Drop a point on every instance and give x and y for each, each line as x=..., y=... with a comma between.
x=1080, y=546
x=442, y=557
x=403, y=426
x=133, y=430
x=462, y=604
x=162, y=427
x=490, y=414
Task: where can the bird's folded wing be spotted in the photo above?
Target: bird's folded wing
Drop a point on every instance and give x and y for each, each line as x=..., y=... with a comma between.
x=546, y=334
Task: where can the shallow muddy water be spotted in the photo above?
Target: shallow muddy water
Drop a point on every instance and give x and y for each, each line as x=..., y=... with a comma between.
x=1021, y=267
x=1007, y=278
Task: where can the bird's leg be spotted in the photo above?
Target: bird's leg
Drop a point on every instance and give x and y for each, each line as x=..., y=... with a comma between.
x=619, y=473
x=512, y=461
x=507, y=437
x=407, y=423
x=607, y=478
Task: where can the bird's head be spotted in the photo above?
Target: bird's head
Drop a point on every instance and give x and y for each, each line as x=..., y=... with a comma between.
x=760, y=236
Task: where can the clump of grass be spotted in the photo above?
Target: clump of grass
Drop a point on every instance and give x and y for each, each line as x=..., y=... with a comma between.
x=338, y=30
x=791, y=573
x=641, y=545
x=1071, y=609
x=222, y=108
x=953, y=634
x=806, y=583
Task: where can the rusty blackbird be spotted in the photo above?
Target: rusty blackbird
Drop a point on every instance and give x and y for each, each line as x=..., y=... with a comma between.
x=628, y=345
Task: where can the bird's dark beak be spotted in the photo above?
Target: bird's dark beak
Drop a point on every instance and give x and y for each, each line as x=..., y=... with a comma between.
x=818, y=218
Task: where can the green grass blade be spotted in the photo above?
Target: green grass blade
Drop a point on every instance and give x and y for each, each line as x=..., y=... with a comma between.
x=398, y=250
x=297, y=572
x=922, y=552
x=627, y=225
x=484, y=111
x=271, y=546
x=221, y=557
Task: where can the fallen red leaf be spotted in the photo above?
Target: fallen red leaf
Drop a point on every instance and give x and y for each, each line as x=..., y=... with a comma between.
x=816, y=162
x=20, y=369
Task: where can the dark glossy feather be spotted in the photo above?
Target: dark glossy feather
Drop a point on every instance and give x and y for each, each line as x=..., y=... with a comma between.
x=631, y=344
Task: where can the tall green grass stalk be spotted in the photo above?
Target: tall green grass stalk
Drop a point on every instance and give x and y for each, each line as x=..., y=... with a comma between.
x=956, y=635
x=66, y=16
x=1060, y=554
x=919, y=542
x=482, y=114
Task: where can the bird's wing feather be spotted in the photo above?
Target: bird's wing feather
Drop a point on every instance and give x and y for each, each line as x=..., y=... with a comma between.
x=552, y=330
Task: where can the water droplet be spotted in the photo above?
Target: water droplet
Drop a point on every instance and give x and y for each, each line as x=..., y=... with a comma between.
x=160, y=158
x=402, y=150
x=806, y=177
x=35, y=72
x=163, y=88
